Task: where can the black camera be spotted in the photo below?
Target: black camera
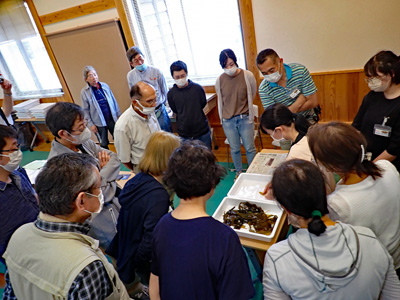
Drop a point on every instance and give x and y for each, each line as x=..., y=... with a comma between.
x=1, y=79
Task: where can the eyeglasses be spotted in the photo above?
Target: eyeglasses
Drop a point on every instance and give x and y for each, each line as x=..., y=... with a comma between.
x=371, y=79
x=12, y=150
x=81, y=127
x=138, y=60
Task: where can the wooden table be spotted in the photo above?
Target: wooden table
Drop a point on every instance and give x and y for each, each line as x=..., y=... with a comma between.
x=211, y=102
x=274, y=151
x=121, y=183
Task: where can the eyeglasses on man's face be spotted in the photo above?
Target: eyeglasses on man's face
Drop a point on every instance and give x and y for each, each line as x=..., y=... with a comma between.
x=81, y=127
x=17, y=147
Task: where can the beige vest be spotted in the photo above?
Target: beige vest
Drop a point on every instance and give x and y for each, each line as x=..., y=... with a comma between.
x=43, y=265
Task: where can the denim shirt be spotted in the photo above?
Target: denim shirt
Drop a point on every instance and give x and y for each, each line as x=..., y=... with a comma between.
x=92, y=108
x=18, y=205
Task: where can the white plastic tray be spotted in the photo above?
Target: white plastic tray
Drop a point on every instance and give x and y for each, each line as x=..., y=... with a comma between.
x=248, y=186
x=270, y=207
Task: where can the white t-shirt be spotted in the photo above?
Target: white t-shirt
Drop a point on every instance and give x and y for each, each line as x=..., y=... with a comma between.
x=301, y=150
x=131, y=135
x=9, y=119
x=374, y=204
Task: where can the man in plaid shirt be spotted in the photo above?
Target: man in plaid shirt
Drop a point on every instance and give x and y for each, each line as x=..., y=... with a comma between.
x=53, y=257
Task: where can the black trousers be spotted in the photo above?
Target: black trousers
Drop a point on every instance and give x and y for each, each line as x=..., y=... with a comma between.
x=103, y=134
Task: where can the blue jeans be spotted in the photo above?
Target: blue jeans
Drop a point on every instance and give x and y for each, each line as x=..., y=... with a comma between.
x=205, y=138
x=163, y=118
x=237, y=129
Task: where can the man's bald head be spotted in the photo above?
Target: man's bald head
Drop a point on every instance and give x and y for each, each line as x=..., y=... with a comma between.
x=142, y=90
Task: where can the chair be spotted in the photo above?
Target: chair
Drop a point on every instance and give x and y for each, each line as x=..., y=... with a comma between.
x=256, y=135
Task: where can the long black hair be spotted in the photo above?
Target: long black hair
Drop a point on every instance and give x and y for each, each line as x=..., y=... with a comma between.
x=299, y=186
x=278, y=114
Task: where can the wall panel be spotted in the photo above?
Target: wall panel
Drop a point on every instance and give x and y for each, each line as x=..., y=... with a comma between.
x=339, y=93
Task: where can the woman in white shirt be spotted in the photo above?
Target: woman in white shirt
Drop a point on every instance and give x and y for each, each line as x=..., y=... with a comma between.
x=323, y=259
x=368, y=193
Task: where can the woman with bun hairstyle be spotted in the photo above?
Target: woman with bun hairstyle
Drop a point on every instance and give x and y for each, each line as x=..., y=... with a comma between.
x=323, y=259
x=368, y=193
x=378, y=117
x=281, y=124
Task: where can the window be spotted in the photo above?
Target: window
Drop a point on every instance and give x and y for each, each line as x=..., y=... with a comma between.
x=192, y=31
x=23, y=57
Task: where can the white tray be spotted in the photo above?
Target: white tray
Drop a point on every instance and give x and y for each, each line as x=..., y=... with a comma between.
x=270, y=207
x=248, y=186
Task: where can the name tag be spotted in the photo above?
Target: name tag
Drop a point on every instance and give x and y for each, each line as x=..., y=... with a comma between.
x=295, y=93
x=382, y=130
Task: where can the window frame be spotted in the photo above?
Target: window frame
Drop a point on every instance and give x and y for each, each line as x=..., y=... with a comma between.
x=7, y=67
x=205, y=80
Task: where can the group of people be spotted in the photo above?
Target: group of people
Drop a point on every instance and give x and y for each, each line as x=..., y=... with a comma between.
x=77, y=212
x=346, y=241
x=147, y=114
x=52, y=254
x=236, y=89
x=347, y=235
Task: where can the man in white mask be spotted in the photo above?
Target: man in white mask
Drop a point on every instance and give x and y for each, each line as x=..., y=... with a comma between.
x=187, y=100
x=67, y=123
x=143, y=72
x=289, y=84
x=134, y=127
x=18, y=201
x=53, y=257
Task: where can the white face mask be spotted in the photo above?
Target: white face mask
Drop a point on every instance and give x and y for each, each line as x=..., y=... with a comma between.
x=100, y=197
x=377, y=85
x=146, y=110
x=181, y=82
x=231, y=71
x=81, y=138
x=292, y=220
x=282, y=142
x=15, y=160
x=274, y=77
x=276, y=142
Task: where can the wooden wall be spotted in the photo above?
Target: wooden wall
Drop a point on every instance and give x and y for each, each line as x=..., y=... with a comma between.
x=339, y=93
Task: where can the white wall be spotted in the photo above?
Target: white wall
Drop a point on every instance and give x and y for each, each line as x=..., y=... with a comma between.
x=327, y=35
x=44, y=7
x=324, y=35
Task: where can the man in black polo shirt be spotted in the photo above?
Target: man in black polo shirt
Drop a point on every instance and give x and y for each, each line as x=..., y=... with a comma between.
x=187, y=100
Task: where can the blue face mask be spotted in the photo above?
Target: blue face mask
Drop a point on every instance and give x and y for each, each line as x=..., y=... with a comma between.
x=141, y=67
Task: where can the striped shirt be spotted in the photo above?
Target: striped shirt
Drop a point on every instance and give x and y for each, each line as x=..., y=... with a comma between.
x=91, y=283
x=298, y=77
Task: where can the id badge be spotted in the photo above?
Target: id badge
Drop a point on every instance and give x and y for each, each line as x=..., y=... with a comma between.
x=382, y=130
x=295, y=93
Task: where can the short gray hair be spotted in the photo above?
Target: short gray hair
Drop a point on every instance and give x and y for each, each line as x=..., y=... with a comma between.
x=86, y=70
x=62, y=179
